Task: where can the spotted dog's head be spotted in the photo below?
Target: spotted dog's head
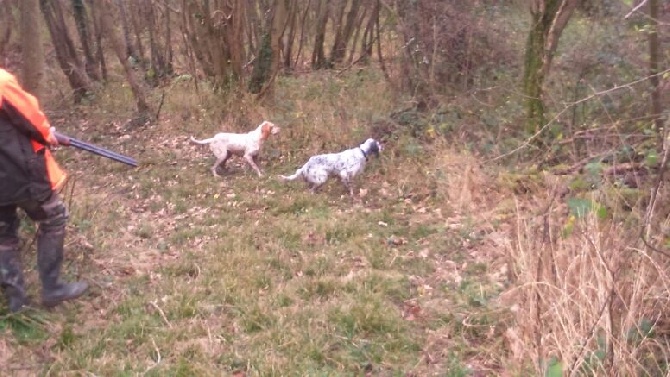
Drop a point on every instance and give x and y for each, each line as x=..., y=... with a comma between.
x=371, y=146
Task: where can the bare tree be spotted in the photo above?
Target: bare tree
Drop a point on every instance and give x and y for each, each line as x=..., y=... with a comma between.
x=548, y=19
x=122, y=53
x=288, y=40
x=267, y=62
x=135, y=17
x=66, y=53
x=368, y=39
x=97, y=40
x=303, y=27
x=318, y=55
x=344, y=30
x=654, y=80
x=32, y=50
x=81, y=20
x=214, y=30
x=6, y=26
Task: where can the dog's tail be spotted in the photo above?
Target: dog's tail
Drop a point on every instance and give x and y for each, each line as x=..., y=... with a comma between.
x=203, y=141
x=293, y=177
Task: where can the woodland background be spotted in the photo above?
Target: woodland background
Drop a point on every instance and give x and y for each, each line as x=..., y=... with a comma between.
x=516, y=223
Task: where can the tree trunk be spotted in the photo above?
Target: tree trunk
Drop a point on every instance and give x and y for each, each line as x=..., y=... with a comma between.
x=169, y=69
x=303, y=26
x=654, y=80
x=318, y=54
x=234, y=38
x=338, y=27
x=345, y=32
x=357, y=35
x=548, y=19
x=135, y=50
x=32, y=50
x=289, y=35
x=279, y=23
x=97, y=31
x=533, y=79
x=81, y=20
x=156, y=67
x=190, y=24
x=66, y=54
x=6, y=26
x=122, y=53
x=268, y=59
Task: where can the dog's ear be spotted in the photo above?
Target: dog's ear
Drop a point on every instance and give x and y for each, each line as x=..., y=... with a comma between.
x=266, y=129
x=375, y=147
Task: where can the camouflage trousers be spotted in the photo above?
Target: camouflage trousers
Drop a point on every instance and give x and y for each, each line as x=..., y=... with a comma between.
x=52, y=217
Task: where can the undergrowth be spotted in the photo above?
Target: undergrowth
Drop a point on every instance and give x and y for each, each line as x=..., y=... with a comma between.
x=443, y=264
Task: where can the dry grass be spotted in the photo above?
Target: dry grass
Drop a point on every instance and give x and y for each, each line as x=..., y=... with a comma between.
x=194, y=275
x=432, y=271
x=589, y=297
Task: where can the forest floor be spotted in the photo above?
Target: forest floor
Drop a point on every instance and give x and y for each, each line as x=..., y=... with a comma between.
x=195, y=275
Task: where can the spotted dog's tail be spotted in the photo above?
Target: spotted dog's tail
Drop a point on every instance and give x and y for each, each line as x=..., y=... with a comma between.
x=203, y=141
x=293, y=177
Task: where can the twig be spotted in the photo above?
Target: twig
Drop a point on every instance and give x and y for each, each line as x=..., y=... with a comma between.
x=591, y=332
x=527, y=142
x=539, y=275
x=158, y=352
x=352, y=64
x=646, y=229
x=627, y=16
x=624, y=167
x=653, y=248
x=162, y=313
x=160, y=106
x=576, y=167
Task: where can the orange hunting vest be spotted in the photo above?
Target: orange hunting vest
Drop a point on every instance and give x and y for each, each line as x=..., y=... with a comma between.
x=27, y=168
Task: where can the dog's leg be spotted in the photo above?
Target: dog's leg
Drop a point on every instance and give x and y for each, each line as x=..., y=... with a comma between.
x=346, y=179
x=215, y=166
x=254, y=158
x=251, y=161
x=220, y=161
x=313, y=187
x=349, y=186
x=316, y=179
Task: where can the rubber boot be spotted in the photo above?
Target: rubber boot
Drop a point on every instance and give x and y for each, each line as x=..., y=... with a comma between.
x=49, y=260
x=11, y=279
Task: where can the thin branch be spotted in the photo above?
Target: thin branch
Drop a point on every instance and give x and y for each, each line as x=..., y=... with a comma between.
x=527, y=142
x=161, y=312
x=635, y=9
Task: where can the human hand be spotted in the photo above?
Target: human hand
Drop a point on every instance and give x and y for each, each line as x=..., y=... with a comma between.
x=53, y=140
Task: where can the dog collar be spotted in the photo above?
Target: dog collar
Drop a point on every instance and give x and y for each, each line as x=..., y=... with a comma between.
x=364, y=154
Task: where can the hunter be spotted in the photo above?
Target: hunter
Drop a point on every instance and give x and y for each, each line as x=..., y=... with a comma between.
x=30, y=179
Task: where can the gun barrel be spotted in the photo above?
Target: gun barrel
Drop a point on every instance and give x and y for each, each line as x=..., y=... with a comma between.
x=65, y=140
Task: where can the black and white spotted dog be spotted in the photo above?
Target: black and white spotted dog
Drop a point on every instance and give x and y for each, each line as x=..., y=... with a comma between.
x=346, y=165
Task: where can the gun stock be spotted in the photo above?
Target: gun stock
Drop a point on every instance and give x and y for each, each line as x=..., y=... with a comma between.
x=70, y=141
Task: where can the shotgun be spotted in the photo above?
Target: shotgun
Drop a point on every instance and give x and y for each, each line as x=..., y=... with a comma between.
x=70, y=141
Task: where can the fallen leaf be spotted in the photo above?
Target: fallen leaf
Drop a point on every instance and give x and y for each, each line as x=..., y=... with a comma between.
x=411, y=310
x=368, y=370
x=396, y=241
x=424, y=289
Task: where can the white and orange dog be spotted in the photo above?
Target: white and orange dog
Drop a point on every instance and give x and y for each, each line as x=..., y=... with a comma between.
x=248, y=145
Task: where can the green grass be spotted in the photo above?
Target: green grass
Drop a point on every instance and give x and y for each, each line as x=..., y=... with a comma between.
x=197, y=275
